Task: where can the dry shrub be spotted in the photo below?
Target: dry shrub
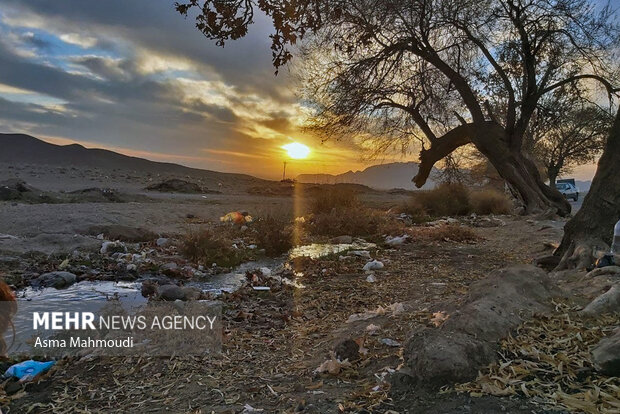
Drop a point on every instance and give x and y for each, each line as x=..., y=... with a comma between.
x=448, y=232
x=329, y=199
x=350, y=221
x=445, y=200
x=274, y=235
x=490, y=201
x=415, y=210
x=206, y=248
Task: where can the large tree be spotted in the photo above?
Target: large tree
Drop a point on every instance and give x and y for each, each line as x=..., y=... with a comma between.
x=566, y=132
x=591, y=229
x=439, y=69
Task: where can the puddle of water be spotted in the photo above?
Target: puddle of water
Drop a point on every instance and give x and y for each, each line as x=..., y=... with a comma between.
x=316, y=250
x=129, y=292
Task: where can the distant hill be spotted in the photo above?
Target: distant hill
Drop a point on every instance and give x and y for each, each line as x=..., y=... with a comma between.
x=25, y=149
x=381, y=177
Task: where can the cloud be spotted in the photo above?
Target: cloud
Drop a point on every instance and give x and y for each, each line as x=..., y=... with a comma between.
x=139, y=77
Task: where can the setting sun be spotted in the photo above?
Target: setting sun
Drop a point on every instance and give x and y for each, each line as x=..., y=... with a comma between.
x=296, y=150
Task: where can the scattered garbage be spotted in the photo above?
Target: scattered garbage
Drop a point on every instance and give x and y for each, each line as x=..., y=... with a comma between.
x=249, y=409
x=394, y=308
x=112, y=247
x=332, y=366
x=237, y=217
x=373, y=265
x=26, y=371
x=615, y=246
x=390, y=342
x=397, y=241
x=371, y=279
x=261, y=288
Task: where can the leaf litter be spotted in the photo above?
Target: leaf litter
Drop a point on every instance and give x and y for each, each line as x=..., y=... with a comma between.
x=548, y=361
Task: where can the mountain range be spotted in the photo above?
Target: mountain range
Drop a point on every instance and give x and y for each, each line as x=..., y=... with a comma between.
x=381, y=177
x=25, y=149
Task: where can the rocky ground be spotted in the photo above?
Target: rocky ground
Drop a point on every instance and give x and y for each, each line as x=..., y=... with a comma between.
x=284, y=349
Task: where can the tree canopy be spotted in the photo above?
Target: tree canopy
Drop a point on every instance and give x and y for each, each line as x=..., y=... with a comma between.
x=446, y=73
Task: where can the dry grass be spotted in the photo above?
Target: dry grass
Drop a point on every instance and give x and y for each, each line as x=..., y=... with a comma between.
x=273, y=234
x=458, y=200
x=445, y=200
x=352, y=221
x=490, y=201
x=204, y=247
x=326, y=200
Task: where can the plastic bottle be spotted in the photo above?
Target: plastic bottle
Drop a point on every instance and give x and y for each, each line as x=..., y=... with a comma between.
x=615, y=247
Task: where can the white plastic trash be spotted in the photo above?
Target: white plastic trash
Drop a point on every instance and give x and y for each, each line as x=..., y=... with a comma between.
x=373, y=265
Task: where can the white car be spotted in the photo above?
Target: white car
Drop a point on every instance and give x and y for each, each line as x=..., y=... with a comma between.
x=568, y=190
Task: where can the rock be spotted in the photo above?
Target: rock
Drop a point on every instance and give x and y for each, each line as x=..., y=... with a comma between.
x=373, y=265
x=606, y=355
x=342, y=240
x=122, y=233
x=174, y=292
x=468, y=340
x=390, y=342
x=110, y=248
x=163, y=242
x=347, y=350
x=607, y=302
x=170, y=266
x=359, y=253
x=56, y=280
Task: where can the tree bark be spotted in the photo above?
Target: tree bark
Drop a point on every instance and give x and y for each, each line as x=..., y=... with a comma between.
x=591, y=229
x=513, y=166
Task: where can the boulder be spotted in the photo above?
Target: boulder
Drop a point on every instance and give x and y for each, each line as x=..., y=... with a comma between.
x=56, y=280
x=606, y=355
x=468, y=340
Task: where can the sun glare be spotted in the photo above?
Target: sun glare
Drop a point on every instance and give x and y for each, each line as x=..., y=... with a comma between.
x=296, y=150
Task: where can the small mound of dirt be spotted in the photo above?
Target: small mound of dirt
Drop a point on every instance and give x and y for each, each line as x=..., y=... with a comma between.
x=176, y=185
x=17, y=190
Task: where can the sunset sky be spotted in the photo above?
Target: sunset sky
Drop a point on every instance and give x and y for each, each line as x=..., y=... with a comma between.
x=138, y=78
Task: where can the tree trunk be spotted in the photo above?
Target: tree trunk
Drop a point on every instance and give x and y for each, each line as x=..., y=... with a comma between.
x=516, y=168
x=591, y=229
x=552, y=174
